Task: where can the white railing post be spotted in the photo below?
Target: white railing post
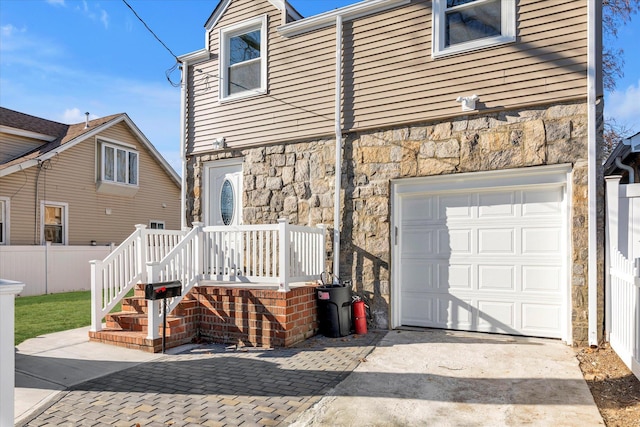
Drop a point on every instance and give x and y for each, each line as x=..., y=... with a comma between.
x=198, y=252
x=96, y=295
x=284, y=255
x=141, y=252
x=8, y=291
x=153, y=320
x=322, y=249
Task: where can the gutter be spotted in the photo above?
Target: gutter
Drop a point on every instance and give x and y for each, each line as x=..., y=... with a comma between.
x=594, y=14
x=192, y=58
x=338, y=168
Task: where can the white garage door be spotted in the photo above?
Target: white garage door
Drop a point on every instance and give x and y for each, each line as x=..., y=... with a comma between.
x=492, y=259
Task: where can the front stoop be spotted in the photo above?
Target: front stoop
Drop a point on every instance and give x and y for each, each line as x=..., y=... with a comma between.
x=221, y=314
x=128, y=328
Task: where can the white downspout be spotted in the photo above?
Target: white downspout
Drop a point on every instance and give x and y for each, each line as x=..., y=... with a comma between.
x=629, y=169
x=338, y=170
x=592, y=98
x=183, y=145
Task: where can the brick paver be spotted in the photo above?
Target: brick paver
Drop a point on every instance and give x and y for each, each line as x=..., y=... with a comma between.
x=212, y=385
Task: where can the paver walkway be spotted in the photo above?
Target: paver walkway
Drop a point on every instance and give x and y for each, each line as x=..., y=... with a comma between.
x=212, y=385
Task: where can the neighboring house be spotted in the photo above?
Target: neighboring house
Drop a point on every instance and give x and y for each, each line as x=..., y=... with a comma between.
x=468, y=134
x=83, y=184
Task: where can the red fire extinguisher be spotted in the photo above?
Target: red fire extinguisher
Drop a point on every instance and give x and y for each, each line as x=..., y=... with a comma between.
x=359, y=317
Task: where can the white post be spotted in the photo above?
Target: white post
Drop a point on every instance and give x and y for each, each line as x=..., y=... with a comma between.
x=322, y=246
x=8, y=291
x=97, y=295
x=153, y=320
x=283, y=255
x=612, y=188
x=198, y=252
x=141, y=252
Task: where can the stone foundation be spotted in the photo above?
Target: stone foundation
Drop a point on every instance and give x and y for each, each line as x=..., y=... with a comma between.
x=296, y=181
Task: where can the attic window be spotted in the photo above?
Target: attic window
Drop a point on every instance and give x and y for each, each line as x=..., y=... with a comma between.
x=465, y=25
x=118, y=168
x=243, y=64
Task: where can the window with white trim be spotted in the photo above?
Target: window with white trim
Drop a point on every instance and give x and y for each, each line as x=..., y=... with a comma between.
x=119, y=164
x=464, y=25
x=156, y=225
x=243, y=59
x=54, y=222
x=4, y=221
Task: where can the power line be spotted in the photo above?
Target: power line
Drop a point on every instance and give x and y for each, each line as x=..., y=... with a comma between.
x=150, y=30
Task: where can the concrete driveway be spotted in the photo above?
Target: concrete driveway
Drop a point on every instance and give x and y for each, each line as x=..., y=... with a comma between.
x=433, y=377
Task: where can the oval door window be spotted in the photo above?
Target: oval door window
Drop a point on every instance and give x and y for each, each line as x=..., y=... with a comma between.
x=227, y=202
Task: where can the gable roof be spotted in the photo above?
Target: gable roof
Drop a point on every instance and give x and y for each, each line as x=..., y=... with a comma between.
x=222, y=6
x=622, y=151
x=61, y=137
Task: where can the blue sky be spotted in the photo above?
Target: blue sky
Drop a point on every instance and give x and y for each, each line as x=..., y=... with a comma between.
x=60, y=58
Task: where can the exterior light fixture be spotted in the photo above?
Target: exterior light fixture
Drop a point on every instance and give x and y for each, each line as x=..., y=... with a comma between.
x=468, y=102
x=218, y=143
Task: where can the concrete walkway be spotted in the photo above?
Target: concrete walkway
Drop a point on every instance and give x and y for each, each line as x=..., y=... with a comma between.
x=423, y=377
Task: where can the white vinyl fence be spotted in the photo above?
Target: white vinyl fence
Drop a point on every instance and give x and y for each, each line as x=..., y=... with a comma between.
x=50, y=269
x=622, y=289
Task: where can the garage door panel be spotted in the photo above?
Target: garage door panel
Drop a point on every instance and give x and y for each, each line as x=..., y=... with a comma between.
x=455, y=207
x=544, y=202
x=497, y=277
x=419, y=208
x=540, y=278
x=451, y=242
x=541, y=240
x=419, y=241
x=487, y=259
x=491, y=205
x=418, y=275
x=419, y=310
x=541, y=319
x=455, y=276
x=496, y=316
x=455, y=313
x=497, y=241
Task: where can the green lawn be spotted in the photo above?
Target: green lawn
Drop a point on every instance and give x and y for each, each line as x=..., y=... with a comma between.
x=44, y=314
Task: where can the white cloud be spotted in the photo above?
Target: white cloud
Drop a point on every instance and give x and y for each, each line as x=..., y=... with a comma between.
x=56, y=2
x=75, y=115
x=624, y=107
x=104, y=18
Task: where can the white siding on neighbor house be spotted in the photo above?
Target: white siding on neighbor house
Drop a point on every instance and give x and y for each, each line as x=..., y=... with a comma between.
x=389, y=76
x=50, y=269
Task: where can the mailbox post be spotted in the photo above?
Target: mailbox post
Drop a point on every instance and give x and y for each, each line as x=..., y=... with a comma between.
x=163, y=291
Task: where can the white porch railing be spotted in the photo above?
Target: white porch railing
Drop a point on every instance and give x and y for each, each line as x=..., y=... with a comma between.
x=268, y=254
x=625, y=312
x=114, y=276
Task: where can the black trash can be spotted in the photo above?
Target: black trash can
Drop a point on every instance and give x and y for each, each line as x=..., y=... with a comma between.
x=334, y=310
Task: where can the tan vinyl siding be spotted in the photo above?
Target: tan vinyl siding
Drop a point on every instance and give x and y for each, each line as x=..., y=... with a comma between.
x=71, y=178
x=389, y=76
x=12, y=146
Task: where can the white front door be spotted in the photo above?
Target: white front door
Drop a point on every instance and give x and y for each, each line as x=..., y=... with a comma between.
x=223, y=193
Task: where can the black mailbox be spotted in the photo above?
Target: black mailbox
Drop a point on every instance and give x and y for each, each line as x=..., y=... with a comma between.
x=162, y=290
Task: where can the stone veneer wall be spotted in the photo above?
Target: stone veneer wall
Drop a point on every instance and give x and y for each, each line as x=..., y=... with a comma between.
x=296, y=180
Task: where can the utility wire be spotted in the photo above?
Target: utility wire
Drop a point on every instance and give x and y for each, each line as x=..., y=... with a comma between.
x=150, y=30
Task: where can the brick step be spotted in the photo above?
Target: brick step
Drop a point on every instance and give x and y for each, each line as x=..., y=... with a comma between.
x=137, y=340
x=128, y=321
x=134, y=304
